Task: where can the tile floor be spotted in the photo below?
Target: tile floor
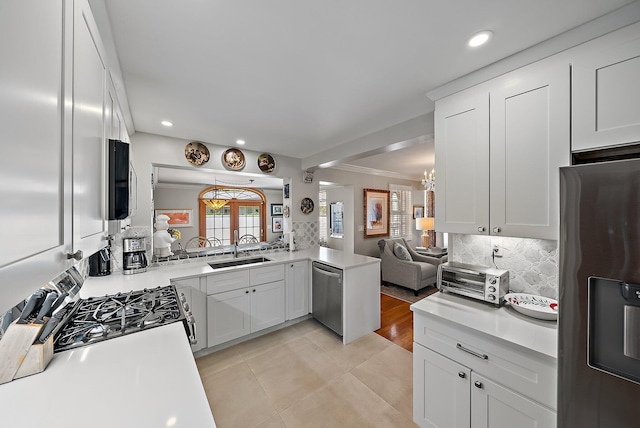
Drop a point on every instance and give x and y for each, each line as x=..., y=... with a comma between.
x=302, y=376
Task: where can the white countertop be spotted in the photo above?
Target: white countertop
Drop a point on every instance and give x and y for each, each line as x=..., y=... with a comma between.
x=502, y=323
x=162, y=275
x=148, y=379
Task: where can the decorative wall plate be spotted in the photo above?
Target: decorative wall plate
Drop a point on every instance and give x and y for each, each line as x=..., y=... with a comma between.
x=196, y=153
x=233, y=159
x=266, y=163
x=306, y=206
x=540, y=307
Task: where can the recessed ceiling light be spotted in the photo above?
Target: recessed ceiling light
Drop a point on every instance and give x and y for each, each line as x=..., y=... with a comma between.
x=240, y=142
x=166, y=123
x=480, y=38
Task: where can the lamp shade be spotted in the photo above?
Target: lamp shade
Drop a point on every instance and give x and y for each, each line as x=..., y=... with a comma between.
x=424, y=223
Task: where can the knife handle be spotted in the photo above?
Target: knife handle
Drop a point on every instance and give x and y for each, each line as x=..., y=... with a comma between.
x=48, y=328
x=59, y=302
x=32, y=305
x=45, y=310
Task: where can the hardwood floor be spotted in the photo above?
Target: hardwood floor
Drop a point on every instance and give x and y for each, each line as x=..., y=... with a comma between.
x=396, y=321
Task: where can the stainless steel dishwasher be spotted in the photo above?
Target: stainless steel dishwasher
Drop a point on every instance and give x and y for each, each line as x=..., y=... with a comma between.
x=326, y=295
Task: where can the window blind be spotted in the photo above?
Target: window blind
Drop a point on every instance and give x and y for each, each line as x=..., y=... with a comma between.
x=400, y=212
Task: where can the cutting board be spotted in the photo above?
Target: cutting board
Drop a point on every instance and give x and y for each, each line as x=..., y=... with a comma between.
x=14, y=347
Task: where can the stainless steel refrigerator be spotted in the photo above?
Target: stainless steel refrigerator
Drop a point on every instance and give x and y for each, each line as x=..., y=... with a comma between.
x=599, y=296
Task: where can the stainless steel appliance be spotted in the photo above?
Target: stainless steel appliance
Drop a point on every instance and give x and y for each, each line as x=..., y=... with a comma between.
x=326, y=296
x=478, y=282
x=599, y=295
x=101, y=318
x=134, y=257
x=100, y=263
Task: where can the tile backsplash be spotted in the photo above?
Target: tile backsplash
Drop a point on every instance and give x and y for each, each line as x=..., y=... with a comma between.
x=532, y=263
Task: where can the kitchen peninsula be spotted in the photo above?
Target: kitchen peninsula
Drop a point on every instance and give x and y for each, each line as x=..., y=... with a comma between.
x=150, y=376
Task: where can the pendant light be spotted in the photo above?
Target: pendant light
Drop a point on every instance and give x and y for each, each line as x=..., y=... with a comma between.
x=215, y=203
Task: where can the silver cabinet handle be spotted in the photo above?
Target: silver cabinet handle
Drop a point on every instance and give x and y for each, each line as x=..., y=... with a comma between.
x=478, y=384
x=481, y=229
x=474, y=353
x=461, y=375
x=77, y=255
x=497, y=230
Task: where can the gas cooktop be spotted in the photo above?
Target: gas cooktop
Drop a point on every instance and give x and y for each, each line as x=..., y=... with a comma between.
x=100, y=318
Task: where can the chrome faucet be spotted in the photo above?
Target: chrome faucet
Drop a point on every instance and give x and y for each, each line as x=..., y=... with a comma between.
x=235, y=244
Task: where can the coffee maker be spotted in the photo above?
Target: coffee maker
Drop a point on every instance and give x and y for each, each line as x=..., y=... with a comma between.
x=134, y=257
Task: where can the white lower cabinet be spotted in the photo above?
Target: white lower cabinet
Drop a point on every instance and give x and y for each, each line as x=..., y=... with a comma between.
x=197, y=302
x=236, y=313
x=448, y=394
x=462, y=379
x=298, y=289
x=253, y=300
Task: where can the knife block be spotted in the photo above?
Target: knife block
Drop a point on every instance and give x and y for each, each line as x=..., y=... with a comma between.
x=15, y=345
x=37, y=359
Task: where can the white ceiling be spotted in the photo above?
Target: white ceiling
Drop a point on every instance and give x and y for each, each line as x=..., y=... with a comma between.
x=297, y=77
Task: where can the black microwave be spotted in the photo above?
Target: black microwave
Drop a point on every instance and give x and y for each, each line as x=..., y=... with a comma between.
x=118, y=179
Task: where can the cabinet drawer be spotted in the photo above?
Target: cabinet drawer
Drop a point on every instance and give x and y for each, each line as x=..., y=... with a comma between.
x=188, y=282
x=263, y=275
x=525, y=373
x=228, y=281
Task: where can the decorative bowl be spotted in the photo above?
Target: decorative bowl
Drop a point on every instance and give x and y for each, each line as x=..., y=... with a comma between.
x=539, y=307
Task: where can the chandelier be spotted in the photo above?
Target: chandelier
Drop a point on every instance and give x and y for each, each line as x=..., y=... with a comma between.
x=215, y=203
x=429, y=181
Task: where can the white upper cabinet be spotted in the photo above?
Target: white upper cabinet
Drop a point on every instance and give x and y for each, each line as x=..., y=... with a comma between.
x=498, y=149
x=462, y=162
x=35, y=191
x=606, y=91
x=89, y=149
x=529, y=140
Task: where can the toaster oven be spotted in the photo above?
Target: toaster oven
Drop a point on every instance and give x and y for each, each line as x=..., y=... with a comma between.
x=478, y=282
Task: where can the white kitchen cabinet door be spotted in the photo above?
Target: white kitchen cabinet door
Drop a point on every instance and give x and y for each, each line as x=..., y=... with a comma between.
x=35, y=194
x=494, y=406
x=441, y=396
x=529, y=141
x=228, y=316
x=267, y=305
x=297, y=289
x=462, y=162
x=89, y=149
x=606, y=92
x=197, y=301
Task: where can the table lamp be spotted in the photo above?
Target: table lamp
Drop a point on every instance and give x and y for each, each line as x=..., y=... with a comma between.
x=425, y=224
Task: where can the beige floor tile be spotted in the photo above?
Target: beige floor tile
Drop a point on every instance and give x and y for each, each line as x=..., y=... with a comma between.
x=390, y=375
x=269, y=341
x=307, y=326
x=218, y=360
x=236, y=397
x=353, y=354
x=293, y=370
x=273, y=422
x=345, y=402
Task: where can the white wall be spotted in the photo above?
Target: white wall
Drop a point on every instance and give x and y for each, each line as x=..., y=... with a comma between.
x=149, y=150
x=345, y=195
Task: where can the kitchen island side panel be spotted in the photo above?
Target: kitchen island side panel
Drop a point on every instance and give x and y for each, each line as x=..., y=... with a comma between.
x=361, y=306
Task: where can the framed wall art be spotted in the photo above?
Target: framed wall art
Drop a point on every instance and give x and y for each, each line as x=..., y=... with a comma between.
x=276, y=209
x=418, y=211
x=276, y=224
x=178, y=217
x=376, y=213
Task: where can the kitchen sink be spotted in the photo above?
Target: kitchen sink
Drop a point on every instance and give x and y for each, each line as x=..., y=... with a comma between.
x=238, y=262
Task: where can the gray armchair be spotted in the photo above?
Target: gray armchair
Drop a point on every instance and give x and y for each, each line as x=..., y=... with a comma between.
x=415, y=274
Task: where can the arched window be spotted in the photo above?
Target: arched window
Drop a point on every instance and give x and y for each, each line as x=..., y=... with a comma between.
x=243, y=211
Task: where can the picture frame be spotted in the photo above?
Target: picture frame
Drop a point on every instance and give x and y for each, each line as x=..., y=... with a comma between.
x=418, y=211
x=285, y=191
x=179, y=217
x=376, y=213
x=276, y=209
x=336, y=211
x=277, y=224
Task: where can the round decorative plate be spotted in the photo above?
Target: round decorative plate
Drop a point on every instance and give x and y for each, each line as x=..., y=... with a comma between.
x=306, y=206
x=196, y=153
x=233, y=159
x=266, y=163
x=539, y=307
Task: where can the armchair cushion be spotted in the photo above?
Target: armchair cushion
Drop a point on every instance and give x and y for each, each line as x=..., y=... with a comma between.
x=401, y=252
